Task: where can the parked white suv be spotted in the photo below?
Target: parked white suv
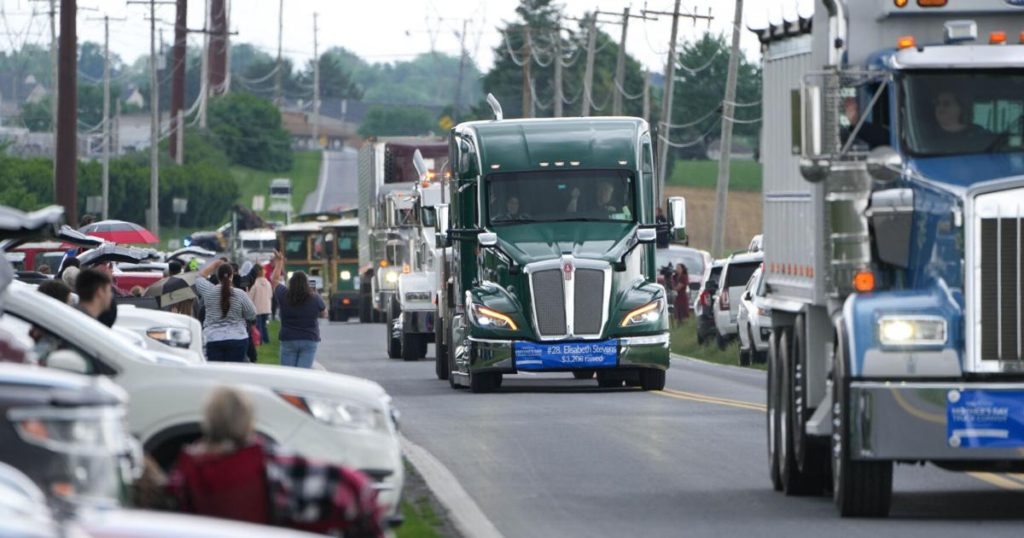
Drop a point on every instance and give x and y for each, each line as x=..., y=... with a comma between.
x=753, y=321
x=164, y=332
x=735, y=275
x=327, y=416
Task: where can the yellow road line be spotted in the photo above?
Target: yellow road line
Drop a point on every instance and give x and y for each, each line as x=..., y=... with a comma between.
x=998, y=481
x=1016, y=476
x=694, y=397
x=716, y=399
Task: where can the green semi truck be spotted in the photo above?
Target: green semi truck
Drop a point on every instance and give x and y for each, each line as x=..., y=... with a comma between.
x=551, y=267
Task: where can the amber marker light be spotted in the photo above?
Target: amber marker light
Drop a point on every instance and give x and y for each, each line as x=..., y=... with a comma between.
x=864, y=281
x=997, y=38
x=905, y=42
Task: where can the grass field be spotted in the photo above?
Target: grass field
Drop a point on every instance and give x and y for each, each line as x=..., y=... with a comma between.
x=684, y=342
x=304, y=173
x=420, y=520
x=743, y=175
x=270, y=353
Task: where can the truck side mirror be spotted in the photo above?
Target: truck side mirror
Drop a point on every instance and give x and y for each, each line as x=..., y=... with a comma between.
x=441, y=218
x=646, y=235
x=677, y=212
x=420, y=165
x=487, y=239
x=428, y=217
x=885, y=164
x=810, y=121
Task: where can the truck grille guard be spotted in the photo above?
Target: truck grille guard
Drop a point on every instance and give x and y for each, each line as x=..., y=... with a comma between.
x=569, y=298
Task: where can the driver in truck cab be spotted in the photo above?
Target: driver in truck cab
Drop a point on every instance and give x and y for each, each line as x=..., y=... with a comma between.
x=603, y=203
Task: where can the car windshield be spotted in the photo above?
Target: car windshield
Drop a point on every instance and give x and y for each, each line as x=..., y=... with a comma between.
x=560, y=195
x=963, y=112
x=259, y=244
x=692, y=259
x=295, y=247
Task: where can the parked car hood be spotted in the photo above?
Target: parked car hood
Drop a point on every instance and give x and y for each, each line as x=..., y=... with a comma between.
x=296, y=380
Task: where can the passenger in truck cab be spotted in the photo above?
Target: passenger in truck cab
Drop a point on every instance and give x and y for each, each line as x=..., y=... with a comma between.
x=511, y=212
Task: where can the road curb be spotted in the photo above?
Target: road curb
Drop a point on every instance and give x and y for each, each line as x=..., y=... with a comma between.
x=718, y=365
x=462, y=509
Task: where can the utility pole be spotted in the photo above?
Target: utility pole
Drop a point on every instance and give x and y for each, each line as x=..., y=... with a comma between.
x=620, y=67
x=588, y=74
x=107, y=129
x=728, y=109
x=462, y=70
x=178, y=81
x=316, y=85
x=278, y=90
x=557, y=60
x=527, y=64
x=647, y=95
x=154, y=119
x=54, y=82
x=217, y=68
x=66, y=167
x=204, y=69
x=667, y=94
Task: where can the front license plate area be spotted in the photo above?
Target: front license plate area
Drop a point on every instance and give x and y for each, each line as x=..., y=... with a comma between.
x=985, y=418
x=533, y=356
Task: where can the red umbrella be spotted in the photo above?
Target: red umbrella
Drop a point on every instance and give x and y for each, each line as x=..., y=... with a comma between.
x=119, y=231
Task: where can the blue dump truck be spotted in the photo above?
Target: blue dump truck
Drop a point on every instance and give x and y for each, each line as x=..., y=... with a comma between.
x=893, y=208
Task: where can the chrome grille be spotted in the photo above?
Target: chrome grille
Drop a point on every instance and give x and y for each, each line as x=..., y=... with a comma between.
x=549, y=302
x=589, y=301
x=1000, y=289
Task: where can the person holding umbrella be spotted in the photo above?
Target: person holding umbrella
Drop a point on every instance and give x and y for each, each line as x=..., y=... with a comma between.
x=228, y=312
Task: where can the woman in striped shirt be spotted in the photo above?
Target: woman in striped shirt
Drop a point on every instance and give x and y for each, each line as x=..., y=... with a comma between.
x=228, y=310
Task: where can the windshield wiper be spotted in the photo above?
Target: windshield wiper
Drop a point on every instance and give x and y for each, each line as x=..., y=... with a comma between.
x=589, y=219
x=512, y=221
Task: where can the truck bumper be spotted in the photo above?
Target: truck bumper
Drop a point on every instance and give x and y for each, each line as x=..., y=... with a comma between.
x=908, y=421
x=345, y=301
x=652, y=351
x=418, y=322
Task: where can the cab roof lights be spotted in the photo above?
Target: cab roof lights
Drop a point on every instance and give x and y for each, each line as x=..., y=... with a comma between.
x=901, y=3
x=932, y=3
x=997, y=38
x=960, y=31
x=906, y=42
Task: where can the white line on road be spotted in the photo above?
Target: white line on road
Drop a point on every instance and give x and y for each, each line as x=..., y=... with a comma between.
x=324, y=163
x=466, y=515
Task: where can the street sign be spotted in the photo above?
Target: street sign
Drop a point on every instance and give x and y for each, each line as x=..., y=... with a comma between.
x=179, y=206
x=94, y=204
x=445, y=123
x=258, y=202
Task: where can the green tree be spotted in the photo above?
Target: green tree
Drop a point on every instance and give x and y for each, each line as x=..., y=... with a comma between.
x=249, y=130
x=38, y=116
x=335, y=81
x=397, y=121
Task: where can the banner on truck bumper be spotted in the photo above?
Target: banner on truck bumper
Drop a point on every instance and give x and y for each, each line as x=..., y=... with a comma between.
x=564, y=355
x=985, y=418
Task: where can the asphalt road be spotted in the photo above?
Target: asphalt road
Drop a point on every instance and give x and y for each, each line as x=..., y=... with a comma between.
x=338, y=186
x=552, y=456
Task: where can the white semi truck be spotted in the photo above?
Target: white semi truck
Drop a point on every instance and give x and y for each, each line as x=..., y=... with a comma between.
x=893, y=187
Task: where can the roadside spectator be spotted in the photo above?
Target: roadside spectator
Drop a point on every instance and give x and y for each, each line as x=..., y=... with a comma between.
x=87, y=219
x=193, y=264
x=261, y=294
x=44, y=269
x=109, y=316
x=69, y=270
x=301, y=309
x=173, y=268
x=137, y=291
x=682, y=287
x=56, y=289
x=95, y=292
x=229, y=473
x=227, y=310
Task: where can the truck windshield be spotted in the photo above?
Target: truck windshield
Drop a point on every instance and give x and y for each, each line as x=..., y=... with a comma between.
x=560, y=195
x=963, y=112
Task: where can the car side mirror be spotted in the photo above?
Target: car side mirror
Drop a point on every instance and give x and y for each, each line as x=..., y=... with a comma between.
x=677, y=212
x=487, y=239
x=68, y=361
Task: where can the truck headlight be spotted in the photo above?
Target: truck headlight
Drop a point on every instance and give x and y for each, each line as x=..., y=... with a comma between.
x=346, y=275
x=648, y=313
x=486, y=317
x=338, y=413
x=171, y=336
x=391, y=277
x=911, y=331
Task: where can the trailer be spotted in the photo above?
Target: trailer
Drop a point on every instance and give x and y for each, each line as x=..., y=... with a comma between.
x=892, y=194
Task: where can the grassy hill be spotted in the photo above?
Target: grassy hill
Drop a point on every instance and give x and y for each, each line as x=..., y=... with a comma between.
x=743, y=175
x=304, y=173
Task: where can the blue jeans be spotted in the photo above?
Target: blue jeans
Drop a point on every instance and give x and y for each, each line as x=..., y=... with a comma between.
x=227, y=350
x=298, y=353
x=261, y=324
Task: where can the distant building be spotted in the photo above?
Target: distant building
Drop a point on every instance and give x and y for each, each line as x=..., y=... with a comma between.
x=333, y=132
x=132, y=96
x=15, y=92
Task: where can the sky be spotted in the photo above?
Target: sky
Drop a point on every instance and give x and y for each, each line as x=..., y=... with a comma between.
x=385, y=30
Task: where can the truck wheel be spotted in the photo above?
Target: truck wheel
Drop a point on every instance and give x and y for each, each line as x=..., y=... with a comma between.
x=772, y=426
x=410, y=347
x=583, y=374
x=652, y=379
x=480, y=382
x=859, y=488
x=394, y=344
x=441, y=367
x=793, y=444
x=607, y=381
x=343, y=316
x=365, y=310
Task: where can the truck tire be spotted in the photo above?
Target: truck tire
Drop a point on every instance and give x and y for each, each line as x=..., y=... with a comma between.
x=365, y=310
x=772, y=416
x=607, y=381
x=441, y=366
x=808, y=478
x=859, y=488
x=583, y=374
x=394, y=344
x=411, y=346
x=480, y=382
x=652, y=379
